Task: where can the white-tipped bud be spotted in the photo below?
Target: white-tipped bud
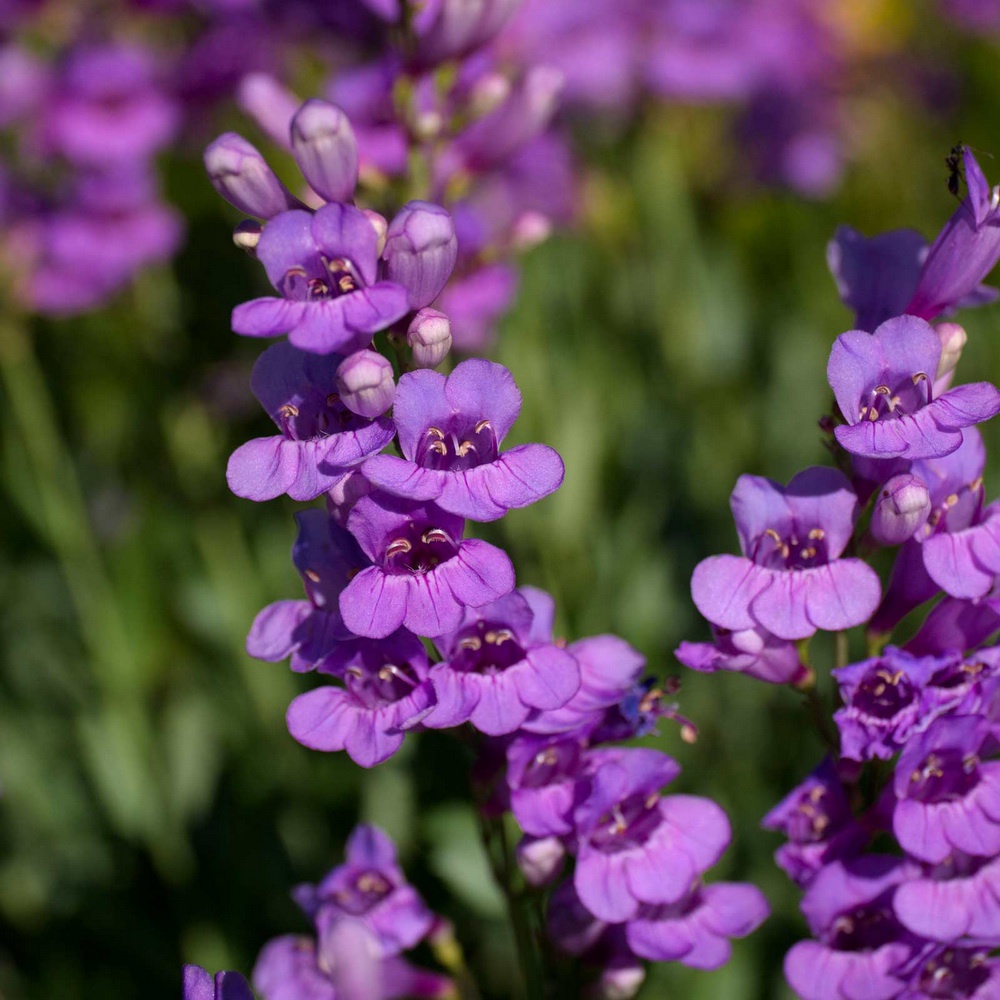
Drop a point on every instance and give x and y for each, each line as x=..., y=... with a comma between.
x=325, y=149
x=540, y=859
x=953, y=338
x=902, y=507
x=381, y=226
x=365, y=383
x=247, y=235
x=429, y=337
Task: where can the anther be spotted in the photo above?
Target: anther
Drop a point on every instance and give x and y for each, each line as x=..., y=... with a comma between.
x=313, y=575
x=464, y=448
x=398, y=547
x=472, y=642
x=482, y=425
x=440, y=447
x=435, y=432
x=817, y=534
x=288, y=410
x=435, y=535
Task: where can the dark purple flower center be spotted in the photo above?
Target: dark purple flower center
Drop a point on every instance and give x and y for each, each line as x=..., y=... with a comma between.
x=418, y=549
x=865, y=928
x=317, y=415
x=957, y=675
x=629, y=823
x=953, y=973
x=796, y=550
x=486, y=648
x=815, y=814
x=909, y=394
x=958, y=510
x=363, y=891
x=944, y=774
x=330, y=280
x=554, y=763
x=883, y=693
x=380, y=686
x=457, y=447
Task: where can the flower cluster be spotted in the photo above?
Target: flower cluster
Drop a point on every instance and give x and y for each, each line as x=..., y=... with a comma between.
x=895, y=837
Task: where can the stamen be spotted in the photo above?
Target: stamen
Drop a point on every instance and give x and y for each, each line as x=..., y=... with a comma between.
x=435, y=432
x=503, y=635
x=398, y=547
x=288, y=411
x=482, y=425
x=435, y=535
x=440, y=447
x=464, y=448
x=346, y=284
x=472, y=642
x=918, y=377
x=817, y=534
x=313, y=575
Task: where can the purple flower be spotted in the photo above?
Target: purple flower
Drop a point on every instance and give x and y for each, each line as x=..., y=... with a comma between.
x=954, y=624
x=635, y=847
x=326, y=268
x=425, y=573
x=790, y=580
x=884, y=388
x=965, y=251
x=371, y=888
x=450, y=430
x=862, y=949
x=199, y=985
x=385, y=693
x=420, y=251
x=497, y=669
x=816, y=818
x=754, y=652
x=327, y=557
x=320, y=439
x=948, y=799
x=695, y=931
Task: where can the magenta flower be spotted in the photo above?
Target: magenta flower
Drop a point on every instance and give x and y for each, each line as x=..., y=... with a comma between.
x=884, y=387
x=320, y=439
x=790, y=580
x=450, y=430
x=497, y=669
x=325, y=265
x=754, y=652
x=424, y=574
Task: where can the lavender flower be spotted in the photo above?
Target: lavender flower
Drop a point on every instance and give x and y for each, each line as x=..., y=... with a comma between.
x=789, y=580
x=753, y=651
x=199, y=985
x=450, y=429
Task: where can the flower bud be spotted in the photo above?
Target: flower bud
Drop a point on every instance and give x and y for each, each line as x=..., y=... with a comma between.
x=429, y=337
x=269, y=103
x=325, y=149
x=420, y=251
x=241, y=175
x=903, y=506
x=540, y=859
x=246, y=236
x=344, y=494
x=953, y=338
x=619, y=981
x=364, y=381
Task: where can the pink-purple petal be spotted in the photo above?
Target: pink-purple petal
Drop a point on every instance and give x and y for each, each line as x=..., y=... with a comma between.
x=268, y=317
x=722, y=588
x=488, y=389
x=404, y=479
x=374, y=604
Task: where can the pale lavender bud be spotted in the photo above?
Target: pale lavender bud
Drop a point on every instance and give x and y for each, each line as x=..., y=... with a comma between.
x=420, y=251
x=429, y=337
x=540, y=859
x=325, y=149
x=247, y=235
x=903, y=506
x=380, y=225
x=270, y=104
x=364, y=381
x=619, y=981
x=241, y=175
x=344, y=494
x=530, y=229
x=953, y=338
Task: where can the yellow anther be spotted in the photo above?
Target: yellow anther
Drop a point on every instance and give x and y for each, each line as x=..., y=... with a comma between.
x=464, y=448
x=817, y=534
x=440, y=447
x=918, y=377
x=313, y=575
x=472, y=642
x=482, y=425
x=346, y=284
x=288, y=410
x=398, y=547
x=435, y=535
x=435, y=432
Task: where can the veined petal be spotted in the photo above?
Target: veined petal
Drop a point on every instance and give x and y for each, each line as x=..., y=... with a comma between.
x=374, y=604
x=722, y=588
x=267, y=317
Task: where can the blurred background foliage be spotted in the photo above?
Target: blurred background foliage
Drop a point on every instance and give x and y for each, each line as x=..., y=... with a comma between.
x=154, y=808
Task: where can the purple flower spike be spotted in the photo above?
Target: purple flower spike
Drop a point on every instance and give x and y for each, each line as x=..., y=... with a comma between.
x=420, y=251
x=326, y=268
x=790, y=580
x=241, y=175
x=450, y=431
x=495, y=672
x=385, y=693
x=327, y=557
x=696, y=930
x=320, y=440
x=635, y=847
x=425, y=573
x=965, y=251
x=371, y=888
x=325, y=149
x=199, y=985
x=754, y=652
x=884, y=388
x=948, y=798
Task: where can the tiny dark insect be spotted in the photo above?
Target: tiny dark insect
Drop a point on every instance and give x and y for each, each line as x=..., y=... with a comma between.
x=956, y=168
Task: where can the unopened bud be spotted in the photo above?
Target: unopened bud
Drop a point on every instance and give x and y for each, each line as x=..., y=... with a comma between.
x=429, y=337
x=270, y=103
x=344, y=494
x=420, y=251
x=903, y=506
x=540, y=859
x=953, y=338
x=325, y=149
x=241, y=175
x=247, y=235
x=364, y=381
x=618, y=982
